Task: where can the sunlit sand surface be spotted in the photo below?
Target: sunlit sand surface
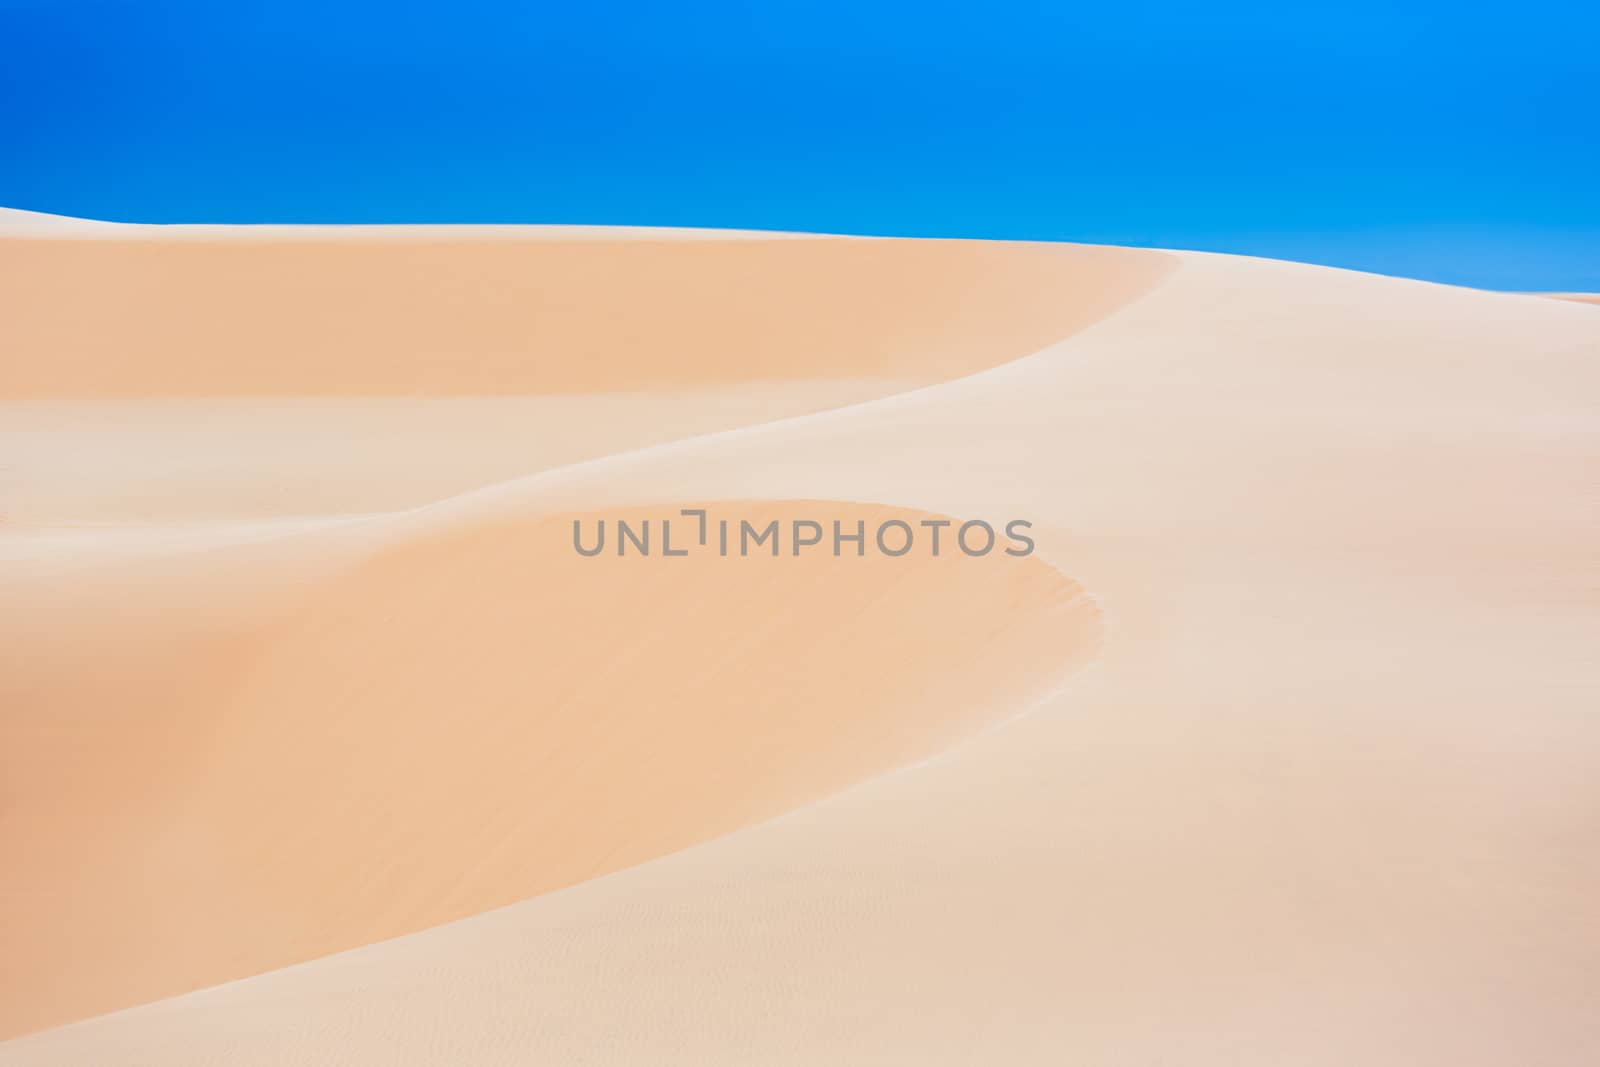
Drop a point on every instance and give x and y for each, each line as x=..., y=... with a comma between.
x=320, y=743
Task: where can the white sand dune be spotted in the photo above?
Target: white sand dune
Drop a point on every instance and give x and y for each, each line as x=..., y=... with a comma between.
x=1280, y=750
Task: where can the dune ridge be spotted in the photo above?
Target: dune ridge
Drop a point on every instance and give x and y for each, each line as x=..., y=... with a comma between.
x=1317, y=797
x=532, y=315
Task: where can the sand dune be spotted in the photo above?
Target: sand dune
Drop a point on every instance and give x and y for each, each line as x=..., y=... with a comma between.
x=263, y=530
x=472, y=717
x=1279, y=750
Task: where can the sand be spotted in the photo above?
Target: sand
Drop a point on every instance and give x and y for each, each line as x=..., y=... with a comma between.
x=321, y=745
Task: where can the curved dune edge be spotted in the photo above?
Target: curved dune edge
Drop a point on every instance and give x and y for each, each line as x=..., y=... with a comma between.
x=530, y=313
x=478, y=716
x=251, y=374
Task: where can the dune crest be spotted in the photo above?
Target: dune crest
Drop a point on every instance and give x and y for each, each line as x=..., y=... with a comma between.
x=356, y=316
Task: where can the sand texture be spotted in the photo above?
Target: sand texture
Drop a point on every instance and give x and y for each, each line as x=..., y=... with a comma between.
x=319, y=744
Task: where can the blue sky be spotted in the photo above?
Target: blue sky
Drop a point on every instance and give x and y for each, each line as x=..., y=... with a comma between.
x=1452, y=141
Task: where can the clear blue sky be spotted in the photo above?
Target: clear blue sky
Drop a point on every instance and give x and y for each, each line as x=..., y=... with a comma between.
x=1452, y=141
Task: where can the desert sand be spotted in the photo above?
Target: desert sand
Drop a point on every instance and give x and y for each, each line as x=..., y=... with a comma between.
x=319, y=744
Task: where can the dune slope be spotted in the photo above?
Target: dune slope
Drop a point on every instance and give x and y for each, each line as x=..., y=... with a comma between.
x=207, y=372
x=1321, y=795
x=477, y=716
x=257, y=715
x=196, y=315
